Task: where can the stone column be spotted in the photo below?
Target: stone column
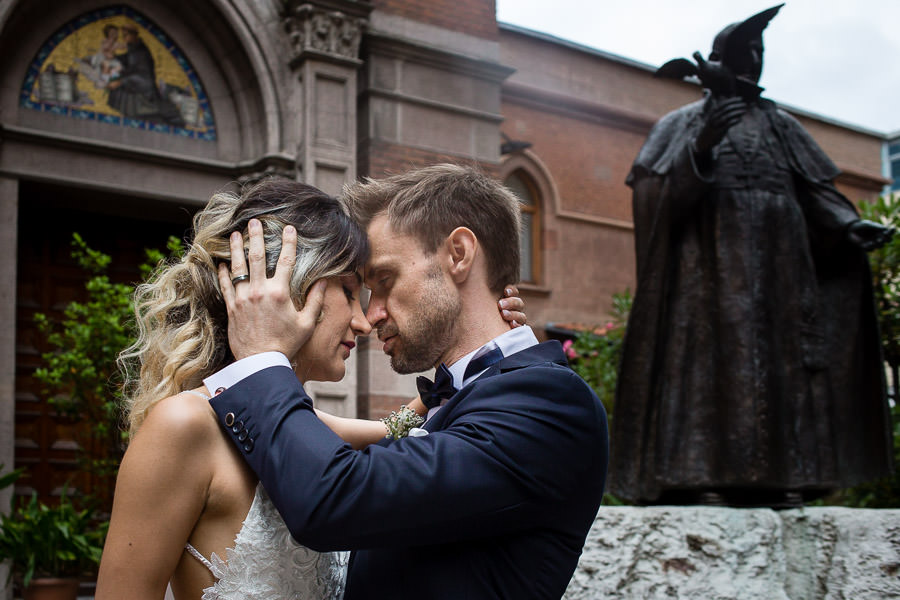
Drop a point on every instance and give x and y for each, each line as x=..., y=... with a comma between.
x=9, y=209
x=325, y=38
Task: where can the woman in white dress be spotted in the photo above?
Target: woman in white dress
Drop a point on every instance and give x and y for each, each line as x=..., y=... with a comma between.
x=188, y=512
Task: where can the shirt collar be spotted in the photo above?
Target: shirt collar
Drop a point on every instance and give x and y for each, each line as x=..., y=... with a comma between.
x=510, y=342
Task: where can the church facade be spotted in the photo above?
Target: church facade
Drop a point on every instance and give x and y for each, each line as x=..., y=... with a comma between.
x=119, y=121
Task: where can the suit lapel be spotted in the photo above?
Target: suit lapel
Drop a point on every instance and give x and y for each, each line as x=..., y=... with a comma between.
x=547, y=352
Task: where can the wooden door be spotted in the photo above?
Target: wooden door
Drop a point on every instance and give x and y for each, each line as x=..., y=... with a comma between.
x=46, y=443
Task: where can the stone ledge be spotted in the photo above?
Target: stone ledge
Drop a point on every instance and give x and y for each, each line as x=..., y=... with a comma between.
x=698, y=552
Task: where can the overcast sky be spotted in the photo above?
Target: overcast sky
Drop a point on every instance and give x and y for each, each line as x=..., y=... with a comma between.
x=837, y=59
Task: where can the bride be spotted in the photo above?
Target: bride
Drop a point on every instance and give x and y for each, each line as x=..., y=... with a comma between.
x=188, y=512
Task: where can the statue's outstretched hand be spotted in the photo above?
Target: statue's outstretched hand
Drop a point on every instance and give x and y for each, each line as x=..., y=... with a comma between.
x=720, y=114
x=262, y=316
x=869, y=235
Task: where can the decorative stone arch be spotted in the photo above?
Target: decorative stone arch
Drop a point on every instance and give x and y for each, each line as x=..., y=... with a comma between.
x=257, y=67
x=526, y=165
x=225, y=45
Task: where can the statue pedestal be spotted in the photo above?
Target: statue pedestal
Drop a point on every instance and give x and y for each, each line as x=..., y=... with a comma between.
x=690, y=552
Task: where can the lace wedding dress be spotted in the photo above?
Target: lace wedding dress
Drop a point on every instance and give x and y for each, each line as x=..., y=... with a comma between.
x=267, y=564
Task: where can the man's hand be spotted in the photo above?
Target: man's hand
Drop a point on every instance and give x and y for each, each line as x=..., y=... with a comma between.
x=261, y=315
x=512, y=308
x=869, y=235
x=720, y=116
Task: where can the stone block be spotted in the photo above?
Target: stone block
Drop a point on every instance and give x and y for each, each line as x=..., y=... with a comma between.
x=842, y=553
x=695, y=552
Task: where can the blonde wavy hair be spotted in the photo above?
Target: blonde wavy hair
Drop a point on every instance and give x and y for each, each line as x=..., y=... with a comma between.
x=181, y=316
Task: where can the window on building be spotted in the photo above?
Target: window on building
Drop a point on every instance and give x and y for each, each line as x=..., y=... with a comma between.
x=530, y=242
x=895, y=172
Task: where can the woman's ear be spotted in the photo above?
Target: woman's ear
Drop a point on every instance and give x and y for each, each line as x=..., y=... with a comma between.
x=462, y=245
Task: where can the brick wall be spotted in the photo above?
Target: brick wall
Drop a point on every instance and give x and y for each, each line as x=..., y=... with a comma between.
x=473, y=17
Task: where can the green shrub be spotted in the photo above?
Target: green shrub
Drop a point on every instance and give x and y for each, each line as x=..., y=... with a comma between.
x=44, y=541
x=885, y=265
x=595, y=354
x=80, y=376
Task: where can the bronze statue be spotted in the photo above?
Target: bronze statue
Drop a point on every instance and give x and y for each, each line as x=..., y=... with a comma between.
x=752, y=370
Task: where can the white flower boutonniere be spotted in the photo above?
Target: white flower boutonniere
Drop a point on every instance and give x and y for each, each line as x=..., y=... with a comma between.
x=399, y=423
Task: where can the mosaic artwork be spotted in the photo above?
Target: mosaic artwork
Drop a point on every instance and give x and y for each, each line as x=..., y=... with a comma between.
x=115, y=66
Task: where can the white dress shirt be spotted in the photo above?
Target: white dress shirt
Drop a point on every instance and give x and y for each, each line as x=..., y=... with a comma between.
x=509, y=343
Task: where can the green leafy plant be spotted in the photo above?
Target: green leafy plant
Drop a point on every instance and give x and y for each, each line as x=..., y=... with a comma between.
x=58, y=541
x=80, y=374
x=595, y=354
x=10, y=478
x=885, y=265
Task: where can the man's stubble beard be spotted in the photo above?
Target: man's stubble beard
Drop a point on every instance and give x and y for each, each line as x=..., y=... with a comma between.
x=430, y=331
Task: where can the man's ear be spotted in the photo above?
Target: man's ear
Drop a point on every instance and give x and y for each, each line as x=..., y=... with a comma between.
x=461, y=248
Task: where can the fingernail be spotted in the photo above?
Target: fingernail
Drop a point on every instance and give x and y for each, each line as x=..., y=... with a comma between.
x=505, y=313
x=236, y=235
x=504, y=304
x=289, y=229
x=509, y=291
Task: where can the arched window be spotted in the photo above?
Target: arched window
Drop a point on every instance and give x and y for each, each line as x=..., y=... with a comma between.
x=530, y=242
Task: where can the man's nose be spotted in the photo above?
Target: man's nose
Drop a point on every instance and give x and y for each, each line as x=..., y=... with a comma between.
x=375, y=312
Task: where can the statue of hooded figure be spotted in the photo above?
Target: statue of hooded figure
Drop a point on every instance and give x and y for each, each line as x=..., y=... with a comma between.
x=751, y=370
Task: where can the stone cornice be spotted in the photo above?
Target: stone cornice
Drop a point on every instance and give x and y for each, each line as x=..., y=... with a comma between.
x=275, y=163
x=387, y=45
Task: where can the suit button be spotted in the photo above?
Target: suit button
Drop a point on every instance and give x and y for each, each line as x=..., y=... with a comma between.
x=229, y=419
x=248, y=446
x=237, y=427
x=243, y=435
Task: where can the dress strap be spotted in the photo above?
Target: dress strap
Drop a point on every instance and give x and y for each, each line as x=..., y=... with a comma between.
x=196, y=554
x=202, y=395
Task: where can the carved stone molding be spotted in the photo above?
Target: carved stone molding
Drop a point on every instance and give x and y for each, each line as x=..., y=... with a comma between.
x=280, y=171
x=320, y=32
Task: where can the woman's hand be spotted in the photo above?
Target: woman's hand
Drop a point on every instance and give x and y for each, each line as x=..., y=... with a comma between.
x=261, y=314
x=512, y=308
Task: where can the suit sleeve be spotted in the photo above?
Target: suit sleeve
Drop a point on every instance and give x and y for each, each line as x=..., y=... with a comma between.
x=514, y=443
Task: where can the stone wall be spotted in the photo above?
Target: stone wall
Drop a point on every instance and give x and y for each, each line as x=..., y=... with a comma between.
x=699, y=552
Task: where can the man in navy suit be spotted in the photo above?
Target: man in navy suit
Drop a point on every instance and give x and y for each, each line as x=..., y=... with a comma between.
x=494, y=495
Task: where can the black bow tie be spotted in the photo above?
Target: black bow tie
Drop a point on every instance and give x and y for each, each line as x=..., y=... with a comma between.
x=432, y=393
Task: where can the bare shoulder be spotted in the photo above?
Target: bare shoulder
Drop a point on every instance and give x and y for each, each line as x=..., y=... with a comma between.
x=184, y=419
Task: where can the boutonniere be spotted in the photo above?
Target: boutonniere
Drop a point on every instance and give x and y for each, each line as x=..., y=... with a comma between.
x=399, y=423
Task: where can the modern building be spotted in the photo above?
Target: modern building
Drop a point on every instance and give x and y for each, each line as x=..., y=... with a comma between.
x=222, y=92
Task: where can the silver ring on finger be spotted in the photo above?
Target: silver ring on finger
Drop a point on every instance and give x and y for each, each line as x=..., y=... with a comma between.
x=240, y=278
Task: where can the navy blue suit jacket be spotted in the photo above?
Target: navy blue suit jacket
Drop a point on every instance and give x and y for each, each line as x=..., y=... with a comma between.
x=494, y=503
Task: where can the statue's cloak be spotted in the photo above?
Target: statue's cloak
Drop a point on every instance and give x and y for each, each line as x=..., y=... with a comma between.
x=752, y=358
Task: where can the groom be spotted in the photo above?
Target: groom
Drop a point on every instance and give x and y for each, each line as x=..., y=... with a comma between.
x=495, y=495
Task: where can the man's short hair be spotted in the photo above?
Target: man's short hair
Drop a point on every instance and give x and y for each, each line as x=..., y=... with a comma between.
x=431, y=202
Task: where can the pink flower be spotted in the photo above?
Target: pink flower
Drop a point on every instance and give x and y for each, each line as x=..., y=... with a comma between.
x=569, y=350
